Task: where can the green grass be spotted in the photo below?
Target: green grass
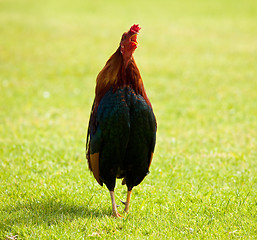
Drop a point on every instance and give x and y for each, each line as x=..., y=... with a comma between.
x=198, y=63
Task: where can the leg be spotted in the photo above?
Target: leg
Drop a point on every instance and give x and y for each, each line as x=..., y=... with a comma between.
x=127, y=202
x=114, y=206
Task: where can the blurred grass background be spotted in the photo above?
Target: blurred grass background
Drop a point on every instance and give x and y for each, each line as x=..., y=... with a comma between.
x=198, y=63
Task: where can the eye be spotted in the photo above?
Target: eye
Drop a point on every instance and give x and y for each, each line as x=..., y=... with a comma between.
x=124, y=36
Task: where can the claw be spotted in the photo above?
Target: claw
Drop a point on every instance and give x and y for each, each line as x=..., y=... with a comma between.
x=123, y=202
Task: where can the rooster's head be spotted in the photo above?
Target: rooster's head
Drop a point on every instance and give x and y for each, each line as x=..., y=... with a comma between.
x=128, y=43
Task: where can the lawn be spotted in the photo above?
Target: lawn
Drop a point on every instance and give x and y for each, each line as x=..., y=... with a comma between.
x=198, y=62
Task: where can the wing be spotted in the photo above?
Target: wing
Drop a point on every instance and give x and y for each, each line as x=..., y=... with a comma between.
x=141, y=142
x=93, y=143
x=108, y=134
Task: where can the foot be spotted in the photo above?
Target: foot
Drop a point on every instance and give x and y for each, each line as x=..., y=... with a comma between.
x=126, y=210
x=114, y=206
x=117, y=215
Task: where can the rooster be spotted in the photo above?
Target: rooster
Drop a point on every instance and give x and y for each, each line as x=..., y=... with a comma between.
x=122, y=127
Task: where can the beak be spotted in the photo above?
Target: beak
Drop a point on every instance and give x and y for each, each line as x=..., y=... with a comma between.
x=133, y=39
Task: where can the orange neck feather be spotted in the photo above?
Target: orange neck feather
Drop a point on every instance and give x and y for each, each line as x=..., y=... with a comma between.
x=114, y=75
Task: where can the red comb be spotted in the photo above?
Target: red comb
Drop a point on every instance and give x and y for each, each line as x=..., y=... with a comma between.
x=135, y=28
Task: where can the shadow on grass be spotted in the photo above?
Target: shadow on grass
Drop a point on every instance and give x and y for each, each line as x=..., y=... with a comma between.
x=47, y=212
